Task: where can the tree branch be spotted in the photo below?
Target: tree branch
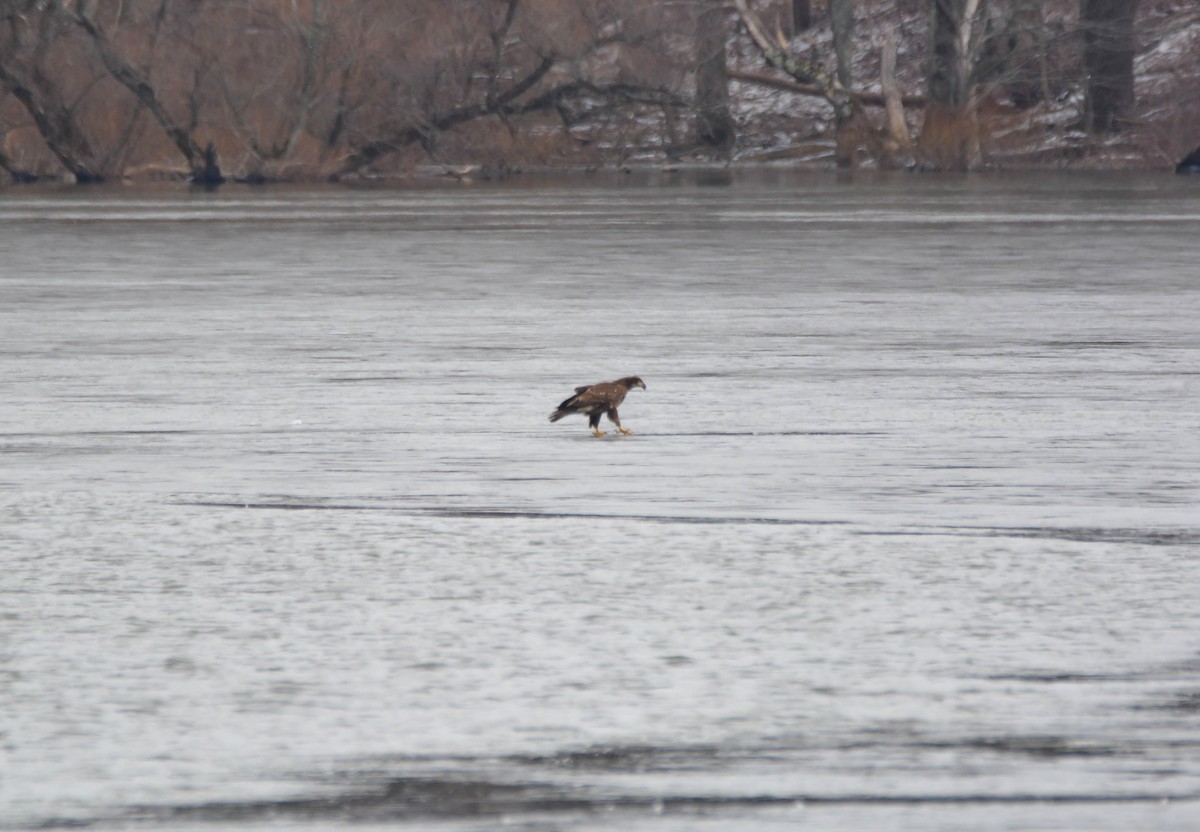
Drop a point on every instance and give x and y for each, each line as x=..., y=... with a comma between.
x=550, y=100
x=372, y=151
x=776, y=53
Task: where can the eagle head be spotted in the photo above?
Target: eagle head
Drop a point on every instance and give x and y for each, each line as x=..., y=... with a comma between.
x=631, y=382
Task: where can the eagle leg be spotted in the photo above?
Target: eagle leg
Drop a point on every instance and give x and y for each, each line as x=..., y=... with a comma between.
x=594, y=423
x=616, y=420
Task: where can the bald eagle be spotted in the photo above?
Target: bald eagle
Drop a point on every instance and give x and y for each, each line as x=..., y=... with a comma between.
x=598, y=399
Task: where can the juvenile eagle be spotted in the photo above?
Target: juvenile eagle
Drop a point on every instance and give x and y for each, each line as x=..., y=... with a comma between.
x=598, y=399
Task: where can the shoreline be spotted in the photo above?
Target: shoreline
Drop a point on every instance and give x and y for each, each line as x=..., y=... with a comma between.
x=474, y=174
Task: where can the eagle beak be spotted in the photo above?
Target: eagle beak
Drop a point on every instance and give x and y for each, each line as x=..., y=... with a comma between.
x=642, y=385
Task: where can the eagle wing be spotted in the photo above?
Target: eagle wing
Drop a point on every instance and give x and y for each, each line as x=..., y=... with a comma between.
x=595, y=397
x=591, y=398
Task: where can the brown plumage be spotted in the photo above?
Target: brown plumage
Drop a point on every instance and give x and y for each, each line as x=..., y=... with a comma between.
x=597, y=400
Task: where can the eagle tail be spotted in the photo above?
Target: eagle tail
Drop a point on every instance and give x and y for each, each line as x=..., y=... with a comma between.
x=567, y=407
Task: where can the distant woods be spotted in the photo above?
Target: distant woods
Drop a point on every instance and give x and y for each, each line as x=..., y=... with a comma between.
x=305, y=89
x=331, y=88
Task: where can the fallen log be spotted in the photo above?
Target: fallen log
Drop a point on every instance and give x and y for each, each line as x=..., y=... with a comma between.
x=867, y=99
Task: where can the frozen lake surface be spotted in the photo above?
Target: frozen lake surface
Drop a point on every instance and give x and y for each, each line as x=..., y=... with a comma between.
x=907, y=537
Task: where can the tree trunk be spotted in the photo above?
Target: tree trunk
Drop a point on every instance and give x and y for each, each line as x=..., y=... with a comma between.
x=952, y=40
x=714, y=125
x=56, y=124
x=802, y=16
x=841, y=15
x=847, y=131
x=1107, y=61
x=949, y=137
x=899, y=146
x=208, y=173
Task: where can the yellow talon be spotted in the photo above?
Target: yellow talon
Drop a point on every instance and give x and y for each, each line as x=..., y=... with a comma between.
x=597, y=432
x=625, y=431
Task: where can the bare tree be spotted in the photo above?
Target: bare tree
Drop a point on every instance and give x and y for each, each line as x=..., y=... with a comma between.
x=1108, y=61
x=841, y=16
x=950, y=136
x=201, y=161
x=898, y=148
x=850, y=126
x=33, y=33
x=479, y=70
x=1017, y=54
x=715, y=127
x=296, y=72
